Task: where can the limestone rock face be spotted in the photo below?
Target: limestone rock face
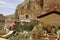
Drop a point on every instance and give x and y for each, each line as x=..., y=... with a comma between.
x=51, y=5
x=9, y=21
x=2, y=21
x=28, y=9
x=2, y=17
x=2, y=24
x=34, y=8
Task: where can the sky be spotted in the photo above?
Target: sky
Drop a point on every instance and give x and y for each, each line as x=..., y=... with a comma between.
x=8, y=7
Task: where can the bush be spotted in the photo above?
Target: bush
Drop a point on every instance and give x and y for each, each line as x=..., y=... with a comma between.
x=26, y=26
x=20, y=36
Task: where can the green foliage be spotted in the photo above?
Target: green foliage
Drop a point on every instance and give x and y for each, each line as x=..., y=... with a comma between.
x=26, y=26
x=17, y=28
x=20, y=36
x=39, y=27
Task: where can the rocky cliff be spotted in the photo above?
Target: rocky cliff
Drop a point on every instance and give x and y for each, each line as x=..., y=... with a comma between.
x=9, y=20
x=2, y=24
x=28, y=9
x=34, y=8
x=2, y=21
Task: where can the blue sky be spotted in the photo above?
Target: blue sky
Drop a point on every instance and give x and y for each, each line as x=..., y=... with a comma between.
x=8, y=7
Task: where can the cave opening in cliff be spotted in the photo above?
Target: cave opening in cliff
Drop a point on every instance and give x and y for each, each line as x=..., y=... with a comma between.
x=46, y=14
x=27, y=16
